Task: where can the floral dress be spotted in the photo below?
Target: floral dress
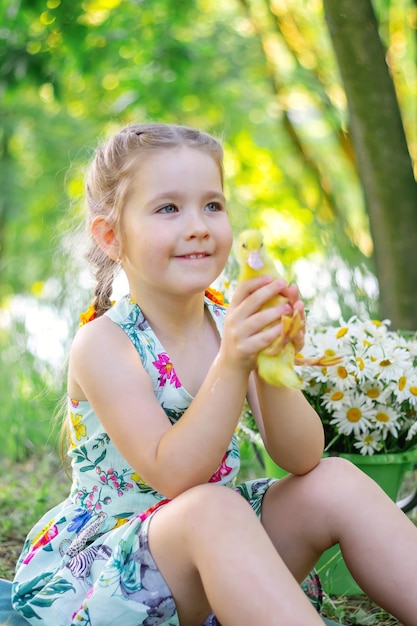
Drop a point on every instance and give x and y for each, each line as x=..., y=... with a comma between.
x=87, y=561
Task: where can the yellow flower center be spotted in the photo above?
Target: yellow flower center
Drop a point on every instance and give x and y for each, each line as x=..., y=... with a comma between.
x=385, y=363
x=337, y=395
x=354, y=415
x=342, y=372
x=402, y=382
x=382, y=417
x=341, y=332
x=361, y=363
x=372, y=393
x=413, y=390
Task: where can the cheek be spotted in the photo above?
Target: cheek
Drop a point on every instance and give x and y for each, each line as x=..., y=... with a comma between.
x=228, y=239
x=155, y=250
x=138, y=248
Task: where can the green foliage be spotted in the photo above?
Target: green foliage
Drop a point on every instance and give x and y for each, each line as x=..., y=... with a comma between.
x=73, y=72
x=262, y=75
x=30, y=396
x=27, y=491
x=356, y=610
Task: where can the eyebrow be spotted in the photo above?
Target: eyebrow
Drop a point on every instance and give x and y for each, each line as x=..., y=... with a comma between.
x=168, y=195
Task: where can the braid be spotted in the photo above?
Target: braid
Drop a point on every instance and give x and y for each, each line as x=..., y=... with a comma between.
x=104, y=287
x=105, y=273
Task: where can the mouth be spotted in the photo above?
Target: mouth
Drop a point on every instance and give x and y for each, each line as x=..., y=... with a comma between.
x=194, y=255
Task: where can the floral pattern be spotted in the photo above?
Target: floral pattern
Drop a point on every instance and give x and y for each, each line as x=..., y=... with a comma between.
x=93, y=546
x=166, y=371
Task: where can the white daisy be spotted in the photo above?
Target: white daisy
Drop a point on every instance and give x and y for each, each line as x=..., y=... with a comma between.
x=386, y=419
x=354, y=416
x=342, y=376
x=334, y=398
x=413, y=393
x=368, y=442
x=389, y=362
x=405, y=386
x=362, y=366
x=375, y=328
x=374, y=389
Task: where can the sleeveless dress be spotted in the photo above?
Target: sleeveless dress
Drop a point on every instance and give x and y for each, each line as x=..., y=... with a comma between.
x=87, y=561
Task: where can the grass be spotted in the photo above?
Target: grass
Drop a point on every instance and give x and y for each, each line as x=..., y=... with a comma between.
x=34, y=486
x=27, y=491
x=357, y=610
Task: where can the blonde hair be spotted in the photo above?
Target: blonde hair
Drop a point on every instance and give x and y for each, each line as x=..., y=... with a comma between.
x=109, y=179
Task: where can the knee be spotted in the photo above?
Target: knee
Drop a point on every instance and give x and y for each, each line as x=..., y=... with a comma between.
x=337, y=468
x=334, y=477
x=330, y=475
x=213, y=505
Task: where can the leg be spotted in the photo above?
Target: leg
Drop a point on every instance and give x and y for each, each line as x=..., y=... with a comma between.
x=337, y=503
x=214, y=554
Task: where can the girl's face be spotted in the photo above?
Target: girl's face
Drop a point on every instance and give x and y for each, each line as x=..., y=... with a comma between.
x=176, y=231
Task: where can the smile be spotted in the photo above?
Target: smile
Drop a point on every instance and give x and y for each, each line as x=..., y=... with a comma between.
x=197, y=255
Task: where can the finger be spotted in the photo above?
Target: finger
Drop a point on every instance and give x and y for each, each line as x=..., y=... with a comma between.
x=253, y=285
x=291, y=292
x=266, y=318
x=261, y=297
x=299, y=309
x=267, y=339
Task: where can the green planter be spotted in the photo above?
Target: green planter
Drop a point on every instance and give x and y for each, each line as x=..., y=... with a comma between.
x=272, y=470
x=388, y=470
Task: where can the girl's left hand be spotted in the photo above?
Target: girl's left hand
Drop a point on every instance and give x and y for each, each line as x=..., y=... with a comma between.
x=291, y=292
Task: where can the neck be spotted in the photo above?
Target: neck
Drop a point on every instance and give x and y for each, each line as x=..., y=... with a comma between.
x=171, y=316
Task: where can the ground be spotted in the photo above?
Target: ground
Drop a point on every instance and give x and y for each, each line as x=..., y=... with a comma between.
x=27, y=491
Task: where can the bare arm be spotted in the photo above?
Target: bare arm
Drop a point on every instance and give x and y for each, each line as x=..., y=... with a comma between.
x=290, y=428
x=106, y=369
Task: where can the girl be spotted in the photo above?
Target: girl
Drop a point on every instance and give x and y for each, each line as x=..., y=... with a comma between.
x=151, y=532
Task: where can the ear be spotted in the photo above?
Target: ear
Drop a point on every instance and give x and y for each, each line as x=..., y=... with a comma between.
x=106, y=238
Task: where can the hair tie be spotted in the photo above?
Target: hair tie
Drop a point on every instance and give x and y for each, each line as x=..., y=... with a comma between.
x=88, y=315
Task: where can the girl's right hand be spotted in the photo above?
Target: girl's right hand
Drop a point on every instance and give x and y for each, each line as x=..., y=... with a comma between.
x=250, y=325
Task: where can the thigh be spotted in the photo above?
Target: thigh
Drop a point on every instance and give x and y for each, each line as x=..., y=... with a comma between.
x=301, y=513
x=181, y=533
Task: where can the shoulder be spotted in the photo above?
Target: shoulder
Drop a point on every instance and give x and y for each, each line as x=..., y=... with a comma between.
x=105, y=328
x=98, y=349
x=96, y=334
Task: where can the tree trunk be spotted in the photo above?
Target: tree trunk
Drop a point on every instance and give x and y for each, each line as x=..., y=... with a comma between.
x=383, y=160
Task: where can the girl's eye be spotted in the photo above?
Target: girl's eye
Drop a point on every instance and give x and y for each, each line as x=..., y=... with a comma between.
x=168, y=208
x=213, y=206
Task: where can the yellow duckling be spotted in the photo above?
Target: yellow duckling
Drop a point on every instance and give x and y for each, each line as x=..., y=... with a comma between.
x=275, y=363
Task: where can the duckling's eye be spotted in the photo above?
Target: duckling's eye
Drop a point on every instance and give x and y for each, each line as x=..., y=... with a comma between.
x=243, y=245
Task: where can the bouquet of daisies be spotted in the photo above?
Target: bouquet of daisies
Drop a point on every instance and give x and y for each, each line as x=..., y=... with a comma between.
x=368, y=402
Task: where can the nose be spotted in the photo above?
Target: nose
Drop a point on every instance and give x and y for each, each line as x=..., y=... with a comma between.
x=196, y=227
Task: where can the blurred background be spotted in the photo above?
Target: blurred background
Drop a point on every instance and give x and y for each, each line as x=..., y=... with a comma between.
x=314, y=100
